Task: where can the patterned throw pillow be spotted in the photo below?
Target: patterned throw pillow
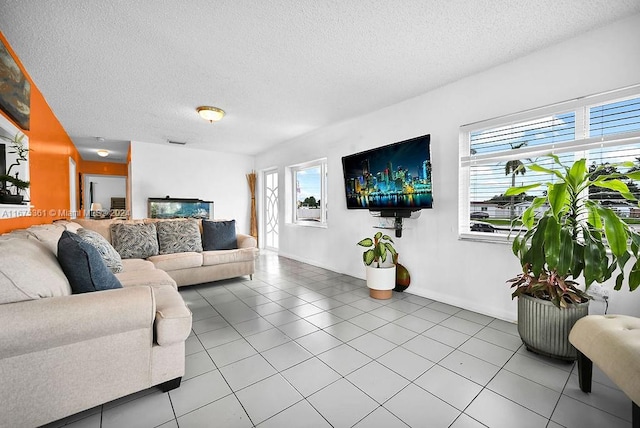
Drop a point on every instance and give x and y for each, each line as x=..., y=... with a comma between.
x=219, y=235
x=83, y=265
x=135, y=241
x=179, y=236
x=109, y=254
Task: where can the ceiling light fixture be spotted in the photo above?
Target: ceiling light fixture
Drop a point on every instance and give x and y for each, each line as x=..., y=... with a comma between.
x=102, y=153
x=212, y=114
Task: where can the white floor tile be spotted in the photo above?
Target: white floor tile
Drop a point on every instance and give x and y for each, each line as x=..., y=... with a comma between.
x=197, y=392
x=572, y=413
x=495, y=411
x=537, y=371
x=450, y=387
x=298, y=328
x=414, y=323
x=475, y=369
x=418, y=408
x=299, y=414
x=197, y=364
x=218, y=337
x=406, y=363
x=267, y=339
x=148, y=411
x=602, y=397
x=465, y=421
x=446, y=335
x=486, y=351
x=345, y=331
x=394, y=333
x=500, y=338
x=310, y=376
x=428, y=348
x=462, y=325
x=368, y=322
x=380, y=418
x=286, y=355
x=342, y=404
x=531, y=395
x=225, y=412
x=267, y=398
x=318, y=342
x=372, y=345
x=377, y=381
x=252, y=326
x=344, y=359
x=247, y=371
x=231, y=352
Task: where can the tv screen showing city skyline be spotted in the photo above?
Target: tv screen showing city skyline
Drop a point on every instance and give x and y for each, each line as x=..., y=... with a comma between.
x=396, y=176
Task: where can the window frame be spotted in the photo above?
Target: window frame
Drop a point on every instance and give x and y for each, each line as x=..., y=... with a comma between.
x=580, y=145
x=293, y=170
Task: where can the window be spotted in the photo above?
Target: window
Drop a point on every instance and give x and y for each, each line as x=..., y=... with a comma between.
x=494, y=155
x=309, y=189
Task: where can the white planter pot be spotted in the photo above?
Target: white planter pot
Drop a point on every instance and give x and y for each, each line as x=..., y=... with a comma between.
x=381, y=281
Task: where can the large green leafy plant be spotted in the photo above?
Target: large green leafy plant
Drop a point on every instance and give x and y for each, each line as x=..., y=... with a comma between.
x=379, y=247
x=573, y=235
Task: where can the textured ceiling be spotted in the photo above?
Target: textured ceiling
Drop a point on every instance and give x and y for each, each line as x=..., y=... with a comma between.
x=136, y=70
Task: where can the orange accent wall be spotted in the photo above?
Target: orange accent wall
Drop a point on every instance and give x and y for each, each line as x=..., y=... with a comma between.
x=51, y=148
x=104, y=168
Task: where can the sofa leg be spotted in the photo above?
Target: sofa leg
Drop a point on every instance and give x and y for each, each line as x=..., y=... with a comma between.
x=585, y=370
x=170, y=384
x=635, y=416
x=250, y=277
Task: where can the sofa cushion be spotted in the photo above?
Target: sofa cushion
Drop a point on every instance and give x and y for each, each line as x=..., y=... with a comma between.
x=152, y=278
x=110, y=256
x=28, y=270
x=103, y=227
x=48, y=234
x=177, y=261
x=221, y=257
x=136, y=264
x=134, y=241
x=219, y=235
x=83, y=265
x=178, y=236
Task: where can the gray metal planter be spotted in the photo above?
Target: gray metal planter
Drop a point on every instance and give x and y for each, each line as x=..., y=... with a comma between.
x=544, y=328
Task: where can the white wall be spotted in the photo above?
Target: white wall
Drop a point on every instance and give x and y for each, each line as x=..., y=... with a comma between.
x=467, y=274
x=182, y=172
x=105, y=187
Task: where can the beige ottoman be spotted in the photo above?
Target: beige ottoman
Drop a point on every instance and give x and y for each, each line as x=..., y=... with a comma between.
x=612, y=342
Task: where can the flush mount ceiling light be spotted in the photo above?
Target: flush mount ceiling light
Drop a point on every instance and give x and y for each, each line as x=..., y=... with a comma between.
x=102, y=153
x=212, y=114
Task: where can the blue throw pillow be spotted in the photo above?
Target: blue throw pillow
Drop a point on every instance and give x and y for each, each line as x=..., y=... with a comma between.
x=219, y=235
x=84, y=267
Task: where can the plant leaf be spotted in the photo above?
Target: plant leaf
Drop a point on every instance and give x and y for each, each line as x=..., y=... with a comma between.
x=557, y=195
x=614, y=230
x=616, y=185
x=367, y=257
x=565, y=254
x=514, y=191
x=552, y=243
x=366, y=242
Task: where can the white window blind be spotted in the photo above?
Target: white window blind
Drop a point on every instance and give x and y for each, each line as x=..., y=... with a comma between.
x=494, y=154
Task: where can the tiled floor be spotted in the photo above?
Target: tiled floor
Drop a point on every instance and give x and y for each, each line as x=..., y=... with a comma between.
x=300, y=346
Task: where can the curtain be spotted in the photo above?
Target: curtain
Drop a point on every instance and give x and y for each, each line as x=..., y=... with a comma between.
x=251, y=179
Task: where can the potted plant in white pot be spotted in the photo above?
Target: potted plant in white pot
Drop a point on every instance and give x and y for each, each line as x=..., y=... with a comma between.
x=381, y=275
x=566, y=238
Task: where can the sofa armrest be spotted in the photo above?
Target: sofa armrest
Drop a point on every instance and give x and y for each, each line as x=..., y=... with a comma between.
x=173, y=317
x=35, y=325
x=246, y=241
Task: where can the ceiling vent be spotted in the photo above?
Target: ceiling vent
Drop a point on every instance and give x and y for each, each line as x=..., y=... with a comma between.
x=180, y=143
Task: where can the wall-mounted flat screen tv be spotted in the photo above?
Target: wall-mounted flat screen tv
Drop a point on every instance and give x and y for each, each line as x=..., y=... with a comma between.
x=392, y=177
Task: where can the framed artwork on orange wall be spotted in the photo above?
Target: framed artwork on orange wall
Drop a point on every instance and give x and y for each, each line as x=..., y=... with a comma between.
x=15, y=90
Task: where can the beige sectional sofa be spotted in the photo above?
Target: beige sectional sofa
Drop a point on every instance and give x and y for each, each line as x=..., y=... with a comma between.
x=188, y=268
x=62, y=353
